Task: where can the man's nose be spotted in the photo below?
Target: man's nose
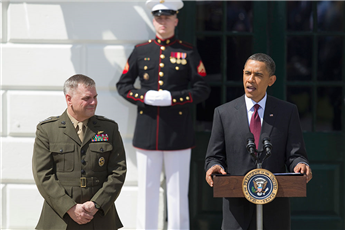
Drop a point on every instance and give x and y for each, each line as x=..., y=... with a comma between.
x=94, y=101
x=251, y=78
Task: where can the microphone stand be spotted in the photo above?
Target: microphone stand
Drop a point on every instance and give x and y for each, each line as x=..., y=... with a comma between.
x=259, y=207
x=259, y=159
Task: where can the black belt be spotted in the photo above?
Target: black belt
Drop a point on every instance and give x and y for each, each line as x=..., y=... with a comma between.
x=82, y=182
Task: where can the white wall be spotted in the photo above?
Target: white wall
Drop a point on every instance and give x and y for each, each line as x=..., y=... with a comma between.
x=42, y=44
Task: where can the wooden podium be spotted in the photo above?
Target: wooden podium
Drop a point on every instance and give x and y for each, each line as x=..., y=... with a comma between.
x=231, y=186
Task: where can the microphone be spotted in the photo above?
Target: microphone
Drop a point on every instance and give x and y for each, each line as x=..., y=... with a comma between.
x=251, y=144
x=267, y=145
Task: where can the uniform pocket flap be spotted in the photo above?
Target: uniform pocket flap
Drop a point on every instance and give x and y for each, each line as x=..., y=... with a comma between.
x=101, y=147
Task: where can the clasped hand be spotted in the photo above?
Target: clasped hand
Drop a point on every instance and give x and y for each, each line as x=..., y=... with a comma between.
x=158, y=98
x=83, y=213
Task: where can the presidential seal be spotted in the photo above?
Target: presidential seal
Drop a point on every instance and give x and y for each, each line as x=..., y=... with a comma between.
x=259, y=186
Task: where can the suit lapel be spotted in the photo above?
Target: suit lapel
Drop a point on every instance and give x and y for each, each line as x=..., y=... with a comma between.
x=269, y=117
x=69, y=130
x=91, y=130
x=242, y=113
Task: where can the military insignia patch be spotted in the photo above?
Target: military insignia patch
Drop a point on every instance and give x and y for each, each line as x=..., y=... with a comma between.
x=100, y=137
x=201, y=69
x=125, y=70
x=259, y=186
x=101, y=161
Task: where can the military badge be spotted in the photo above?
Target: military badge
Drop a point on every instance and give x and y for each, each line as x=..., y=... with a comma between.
x=183, y=58
x=178, y=57
x=260, y=186
x=100, y=137
x=101, y=161
x=201, y=69
x=146, y=76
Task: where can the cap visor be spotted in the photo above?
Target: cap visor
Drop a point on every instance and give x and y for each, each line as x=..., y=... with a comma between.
x=163, y=12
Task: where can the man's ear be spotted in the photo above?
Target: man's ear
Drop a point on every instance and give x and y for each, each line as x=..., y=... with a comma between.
x=68, y=99
x=273, y=79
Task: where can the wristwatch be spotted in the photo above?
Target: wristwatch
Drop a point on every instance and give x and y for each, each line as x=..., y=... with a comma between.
x=96, y=205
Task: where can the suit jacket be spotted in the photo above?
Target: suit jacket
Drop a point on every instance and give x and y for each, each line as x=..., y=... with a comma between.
x=171, y=65
x=68, y=171
x=227, y=147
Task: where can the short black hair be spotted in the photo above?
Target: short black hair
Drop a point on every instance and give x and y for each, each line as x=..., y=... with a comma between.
x=270, y=64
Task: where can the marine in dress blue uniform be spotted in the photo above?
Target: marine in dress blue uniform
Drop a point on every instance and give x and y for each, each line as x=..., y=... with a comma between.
x=172, y=78
x=171, y=65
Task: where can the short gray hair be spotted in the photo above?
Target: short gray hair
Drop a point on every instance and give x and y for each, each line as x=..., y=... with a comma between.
x=270, y=65
x=72, y=82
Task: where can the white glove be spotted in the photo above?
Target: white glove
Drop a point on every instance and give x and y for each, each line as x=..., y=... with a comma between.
x=158, y=98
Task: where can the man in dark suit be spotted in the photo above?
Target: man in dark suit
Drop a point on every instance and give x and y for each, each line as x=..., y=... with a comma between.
x=172, y=81
x=79, y=163
x=227, y=153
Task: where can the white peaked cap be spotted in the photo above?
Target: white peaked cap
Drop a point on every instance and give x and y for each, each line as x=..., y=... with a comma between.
x=154, y=5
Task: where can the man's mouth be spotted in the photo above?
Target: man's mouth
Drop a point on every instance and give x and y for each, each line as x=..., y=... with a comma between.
x=250, y=88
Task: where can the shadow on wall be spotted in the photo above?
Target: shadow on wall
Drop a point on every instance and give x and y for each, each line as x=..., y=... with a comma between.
x=103, y=35
x=114, y=25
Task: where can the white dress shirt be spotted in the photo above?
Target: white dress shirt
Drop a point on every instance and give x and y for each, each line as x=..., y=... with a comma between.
x=250, y=107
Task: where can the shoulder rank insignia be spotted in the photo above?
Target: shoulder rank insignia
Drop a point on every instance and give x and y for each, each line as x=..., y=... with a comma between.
x=49, y=119
x=100, y=137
